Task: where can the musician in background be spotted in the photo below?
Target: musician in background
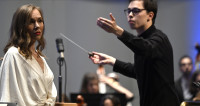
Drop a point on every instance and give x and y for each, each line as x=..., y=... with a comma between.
x=182, y=84
x=112, y=85
x=25, y=77
x=197, y=59
x=195, y=90
x=90, y=83
x=110, y=100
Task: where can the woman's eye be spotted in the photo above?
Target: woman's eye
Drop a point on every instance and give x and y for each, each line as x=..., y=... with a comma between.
x=32, y=21
x=40, y=20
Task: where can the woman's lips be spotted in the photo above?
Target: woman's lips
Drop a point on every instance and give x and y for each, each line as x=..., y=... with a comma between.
x=38, y=33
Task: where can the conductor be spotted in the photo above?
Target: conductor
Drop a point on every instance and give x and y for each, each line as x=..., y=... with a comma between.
x=153, y=60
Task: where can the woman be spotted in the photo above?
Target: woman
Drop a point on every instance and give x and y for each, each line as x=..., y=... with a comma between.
x=25, y=77
x=90, y=83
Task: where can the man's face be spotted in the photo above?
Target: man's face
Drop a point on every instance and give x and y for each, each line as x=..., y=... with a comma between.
x=186, y=66
x=140, y=18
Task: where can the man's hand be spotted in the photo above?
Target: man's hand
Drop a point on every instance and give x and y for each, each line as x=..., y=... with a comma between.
x=100, y=58
x=110, y=26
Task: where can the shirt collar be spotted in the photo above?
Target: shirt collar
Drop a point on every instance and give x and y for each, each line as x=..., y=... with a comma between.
x=148, y=32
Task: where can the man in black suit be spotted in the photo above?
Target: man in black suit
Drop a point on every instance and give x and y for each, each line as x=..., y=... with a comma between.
x=153, y=60
x=183, y=83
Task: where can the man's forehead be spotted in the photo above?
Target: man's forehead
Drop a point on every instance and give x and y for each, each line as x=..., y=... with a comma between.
x=136, y=4
x=186, y=60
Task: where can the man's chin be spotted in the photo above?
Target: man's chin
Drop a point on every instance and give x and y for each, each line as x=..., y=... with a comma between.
x=132, y=26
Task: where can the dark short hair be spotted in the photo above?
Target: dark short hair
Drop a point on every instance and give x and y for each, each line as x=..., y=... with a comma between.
x=150, y=6
x=184, y=56
x=115, y=100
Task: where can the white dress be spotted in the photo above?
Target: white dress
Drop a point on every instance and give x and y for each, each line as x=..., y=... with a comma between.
x=22, y=81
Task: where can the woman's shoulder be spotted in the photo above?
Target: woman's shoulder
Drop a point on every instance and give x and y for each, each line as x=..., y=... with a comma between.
x=12, y=50
x=11, y=53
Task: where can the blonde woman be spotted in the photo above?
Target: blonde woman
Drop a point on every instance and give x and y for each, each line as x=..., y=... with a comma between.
x=25, y=77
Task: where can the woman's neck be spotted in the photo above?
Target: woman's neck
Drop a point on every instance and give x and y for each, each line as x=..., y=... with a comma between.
x=32, y=48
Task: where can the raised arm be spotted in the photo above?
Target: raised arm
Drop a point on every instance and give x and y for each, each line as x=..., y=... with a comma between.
x=110, y=26
x=116, y=86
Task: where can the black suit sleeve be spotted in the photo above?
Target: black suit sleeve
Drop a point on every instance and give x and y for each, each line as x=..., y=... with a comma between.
x=126, y=69
x=139, y=45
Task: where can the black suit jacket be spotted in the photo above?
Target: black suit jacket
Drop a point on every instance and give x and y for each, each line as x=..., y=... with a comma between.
x=179, y=90
x=153, y=67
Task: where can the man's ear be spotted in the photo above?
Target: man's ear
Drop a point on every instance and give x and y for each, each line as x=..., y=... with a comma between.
x=151, y=15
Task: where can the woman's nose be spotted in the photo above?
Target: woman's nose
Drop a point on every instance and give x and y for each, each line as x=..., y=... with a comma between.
x=37, y=25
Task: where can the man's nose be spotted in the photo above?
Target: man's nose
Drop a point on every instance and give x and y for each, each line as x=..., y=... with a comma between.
x=130, y=15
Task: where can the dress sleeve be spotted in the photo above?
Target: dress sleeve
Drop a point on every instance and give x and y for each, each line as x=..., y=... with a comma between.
x=4, y=80
x=52, y=93
x=8, y=79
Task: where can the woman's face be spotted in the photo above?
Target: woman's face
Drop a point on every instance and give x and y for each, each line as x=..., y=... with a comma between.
x=108, y=102
x=93, y=87
x=36, y=25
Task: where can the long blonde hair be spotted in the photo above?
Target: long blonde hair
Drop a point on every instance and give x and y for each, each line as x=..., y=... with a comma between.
x=19, y=36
